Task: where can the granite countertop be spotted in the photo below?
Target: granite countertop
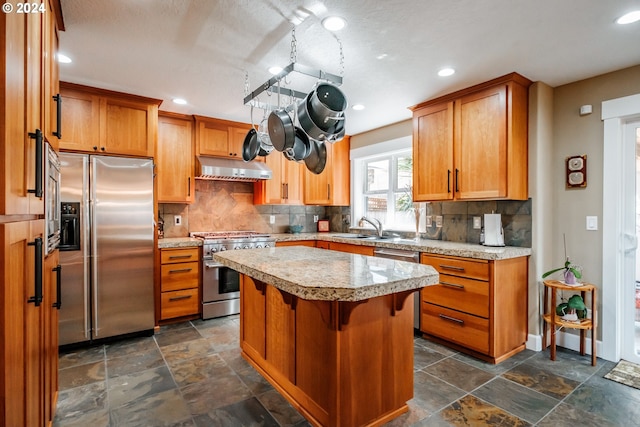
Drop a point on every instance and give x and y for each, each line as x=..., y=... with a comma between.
x=436, y=247
x=179, y=242
x=318, y=274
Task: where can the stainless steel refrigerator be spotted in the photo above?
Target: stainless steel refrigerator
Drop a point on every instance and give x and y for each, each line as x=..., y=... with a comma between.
x=106, y=248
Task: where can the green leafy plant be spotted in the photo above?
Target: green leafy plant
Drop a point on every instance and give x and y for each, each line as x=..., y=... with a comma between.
x=574, y=303
x=568, y=267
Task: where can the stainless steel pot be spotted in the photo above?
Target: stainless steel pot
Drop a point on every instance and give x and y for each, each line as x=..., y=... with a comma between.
x=281, y=129
x=301, y=147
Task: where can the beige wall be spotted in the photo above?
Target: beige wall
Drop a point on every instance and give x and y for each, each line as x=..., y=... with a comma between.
x=576, y=135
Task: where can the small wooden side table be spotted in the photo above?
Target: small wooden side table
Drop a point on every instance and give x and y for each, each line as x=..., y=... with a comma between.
x=553, y=320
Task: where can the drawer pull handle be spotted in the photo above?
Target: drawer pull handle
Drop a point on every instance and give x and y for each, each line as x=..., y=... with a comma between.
x=451, y=319
x=179, y=256
x=451, y=267
x=452, y=285
x=181, y=270
x=181, y=297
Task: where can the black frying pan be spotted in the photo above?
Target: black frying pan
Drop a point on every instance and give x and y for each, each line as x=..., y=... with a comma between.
x=250, y=146
x=281, y=129
x=317, y=159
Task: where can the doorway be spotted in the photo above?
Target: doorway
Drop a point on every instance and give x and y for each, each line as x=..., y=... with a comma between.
x=620, y=230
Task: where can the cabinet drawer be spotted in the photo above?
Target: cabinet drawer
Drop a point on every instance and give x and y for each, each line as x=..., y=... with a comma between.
x=179, y=276
x=179, y=303
x=464, y=267
x=168, y=256
x=464, y=329
x=458, y=293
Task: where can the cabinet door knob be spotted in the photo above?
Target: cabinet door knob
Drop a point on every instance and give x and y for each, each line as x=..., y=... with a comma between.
x=95, y=148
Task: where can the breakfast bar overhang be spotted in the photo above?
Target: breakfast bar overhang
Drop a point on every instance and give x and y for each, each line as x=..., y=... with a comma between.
x=331, y=331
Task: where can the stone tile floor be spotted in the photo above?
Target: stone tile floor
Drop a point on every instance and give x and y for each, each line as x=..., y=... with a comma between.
x=192, y=374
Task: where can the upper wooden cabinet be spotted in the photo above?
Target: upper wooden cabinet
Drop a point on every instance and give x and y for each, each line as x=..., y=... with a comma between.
x=332, y=186
x=51, y=108
x=101, y=121
x=220, y=138
x=284, y=187
x=472, y=144
x=174, y=158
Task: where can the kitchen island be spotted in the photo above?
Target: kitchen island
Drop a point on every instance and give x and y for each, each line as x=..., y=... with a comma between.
x=331, y=331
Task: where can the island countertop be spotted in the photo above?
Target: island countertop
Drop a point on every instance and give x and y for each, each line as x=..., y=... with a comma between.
x=318, y=274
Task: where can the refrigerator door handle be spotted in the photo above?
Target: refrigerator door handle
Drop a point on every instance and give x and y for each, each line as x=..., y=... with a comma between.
x=94, y=264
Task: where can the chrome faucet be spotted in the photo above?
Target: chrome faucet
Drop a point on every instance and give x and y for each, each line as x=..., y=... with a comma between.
x=377, y=225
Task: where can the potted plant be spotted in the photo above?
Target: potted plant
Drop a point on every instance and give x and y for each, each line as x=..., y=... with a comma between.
x=573, y=310
x=571, y=273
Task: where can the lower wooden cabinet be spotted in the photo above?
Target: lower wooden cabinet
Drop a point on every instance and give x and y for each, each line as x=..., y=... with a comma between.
x=310, y=243
x=28, y=336
x=353, y=249
x=179, y=283
x=479, y=306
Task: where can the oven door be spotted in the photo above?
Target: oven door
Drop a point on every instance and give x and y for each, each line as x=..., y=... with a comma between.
x=219, y=283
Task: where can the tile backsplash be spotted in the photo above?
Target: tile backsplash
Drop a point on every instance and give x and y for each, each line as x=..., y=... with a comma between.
x=225, y=205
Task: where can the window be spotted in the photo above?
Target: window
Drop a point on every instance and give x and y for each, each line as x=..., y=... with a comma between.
x=382, y=189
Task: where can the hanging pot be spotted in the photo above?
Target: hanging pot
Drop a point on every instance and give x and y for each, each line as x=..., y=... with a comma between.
x=281, y=129
x=301, y=147
x=250, y=146
x=327, y=104
x=317, y=158
x=308, y=124
x=263, y=138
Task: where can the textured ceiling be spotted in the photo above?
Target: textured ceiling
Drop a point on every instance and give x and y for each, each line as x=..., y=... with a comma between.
x=200, y=50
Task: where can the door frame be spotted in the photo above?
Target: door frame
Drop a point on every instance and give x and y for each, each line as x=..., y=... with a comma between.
x=618, y=231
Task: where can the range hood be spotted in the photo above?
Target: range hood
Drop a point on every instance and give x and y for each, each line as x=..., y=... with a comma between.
x=215, y=168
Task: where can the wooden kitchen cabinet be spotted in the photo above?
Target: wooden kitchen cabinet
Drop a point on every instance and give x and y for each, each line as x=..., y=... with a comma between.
x=353, y=249
x=179, y=283
x=309, y=243
x=472, y=144
x=479, y=306
x=50, y=305
x=174, y=158
x=332, y=186
x=284, y=187
x=51, y=108
x=220, y=138
x=106, y=122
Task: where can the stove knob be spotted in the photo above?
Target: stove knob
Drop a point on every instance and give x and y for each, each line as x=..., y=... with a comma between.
x=245, y=247
x=212, y=251
x=223, y=249
x=266, y=245
x=258, y=246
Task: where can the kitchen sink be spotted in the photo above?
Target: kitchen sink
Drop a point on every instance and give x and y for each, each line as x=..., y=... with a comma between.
x=358, y=236
x=393, y=239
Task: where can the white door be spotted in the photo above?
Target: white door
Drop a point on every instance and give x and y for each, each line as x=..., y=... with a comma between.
x=620, y=213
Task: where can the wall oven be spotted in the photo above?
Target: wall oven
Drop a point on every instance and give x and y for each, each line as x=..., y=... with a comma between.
x=220, y=284
x=52, y=199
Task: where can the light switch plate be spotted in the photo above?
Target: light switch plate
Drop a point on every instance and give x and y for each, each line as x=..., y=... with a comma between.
x=428, y=222
x=272, y=219
x=592, y=223
x=315, y=218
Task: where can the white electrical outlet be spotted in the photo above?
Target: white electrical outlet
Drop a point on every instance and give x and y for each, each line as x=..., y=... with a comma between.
x=477, y=222
x=592, y=223
x=177, y=219
x=439, y=221
x=428, y=222
x=272, y=219
x=315, y=218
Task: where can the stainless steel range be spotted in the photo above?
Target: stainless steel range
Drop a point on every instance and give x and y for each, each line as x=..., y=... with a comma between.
x=220, y=284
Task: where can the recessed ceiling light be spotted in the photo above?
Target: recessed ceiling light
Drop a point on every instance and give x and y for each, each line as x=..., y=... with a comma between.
x=179, y=101
x=446, y=72
x=63, y=59
x=382, y=56
x=358, y=107
x=333, y=23
x=275, y=70
x=629, y=18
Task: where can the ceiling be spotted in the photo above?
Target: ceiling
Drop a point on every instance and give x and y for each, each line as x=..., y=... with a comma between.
x=202, y=50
